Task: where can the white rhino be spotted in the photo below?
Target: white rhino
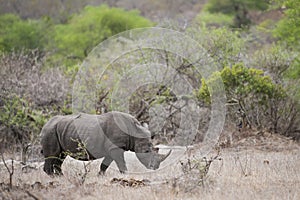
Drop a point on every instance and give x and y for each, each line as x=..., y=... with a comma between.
x=89, y=137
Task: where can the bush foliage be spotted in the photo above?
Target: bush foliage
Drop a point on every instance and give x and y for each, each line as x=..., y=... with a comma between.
x=75, y=39
x=237, y=8
x=17, y=34
x=249, y=91
x=288, y=28
x=33, y=54
x=40, y=58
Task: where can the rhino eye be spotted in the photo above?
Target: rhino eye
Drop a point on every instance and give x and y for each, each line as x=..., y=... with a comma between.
x=147, y=151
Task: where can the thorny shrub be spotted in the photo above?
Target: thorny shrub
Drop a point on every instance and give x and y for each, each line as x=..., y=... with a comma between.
x=195, y=173
x=29, y=94
x=23, y=74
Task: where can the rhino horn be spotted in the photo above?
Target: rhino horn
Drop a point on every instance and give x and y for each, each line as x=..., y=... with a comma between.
x=164, y=156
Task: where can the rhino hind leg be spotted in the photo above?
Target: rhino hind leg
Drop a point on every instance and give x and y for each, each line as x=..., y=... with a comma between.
x=105, y=164
x=53, y=165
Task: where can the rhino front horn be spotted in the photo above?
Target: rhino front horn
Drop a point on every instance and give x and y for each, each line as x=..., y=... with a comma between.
x=164, y=156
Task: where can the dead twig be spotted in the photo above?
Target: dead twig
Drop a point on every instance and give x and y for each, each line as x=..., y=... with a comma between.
x=10, y=170
x=32, y=195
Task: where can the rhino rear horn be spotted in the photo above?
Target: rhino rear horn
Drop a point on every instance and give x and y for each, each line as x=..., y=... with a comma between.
x=164, y=156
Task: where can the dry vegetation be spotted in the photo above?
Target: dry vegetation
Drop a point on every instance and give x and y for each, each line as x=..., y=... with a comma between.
x=247, y=164
x=249, y=168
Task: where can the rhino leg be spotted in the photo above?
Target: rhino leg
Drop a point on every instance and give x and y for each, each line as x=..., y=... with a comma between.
x=53, y=156
x=53, y=165
x=118, y=156
x=105, y=164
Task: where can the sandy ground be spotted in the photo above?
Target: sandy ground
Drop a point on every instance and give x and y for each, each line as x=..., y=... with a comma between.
x=244, y=171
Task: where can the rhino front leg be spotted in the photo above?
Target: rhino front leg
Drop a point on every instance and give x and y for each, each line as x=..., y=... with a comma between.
x=118, y=156
x=105, y=164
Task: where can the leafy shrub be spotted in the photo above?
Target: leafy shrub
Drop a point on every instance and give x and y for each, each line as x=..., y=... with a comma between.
x=19, y=123
x=283, y=66
x=237, y=8
x=288, y=28
x=253, y=94
x=216, y=19
x=223, y=44
x=75, y=39
x=275, y=60
x=229, y=6
x=17, y=34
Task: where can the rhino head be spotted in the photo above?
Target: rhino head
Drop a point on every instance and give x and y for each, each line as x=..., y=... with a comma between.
x=143, y=148
x=148, y=155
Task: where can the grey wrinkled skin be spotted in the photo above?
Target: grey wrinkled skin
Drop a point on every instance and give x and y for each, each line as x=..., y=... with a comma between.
x=89, y=137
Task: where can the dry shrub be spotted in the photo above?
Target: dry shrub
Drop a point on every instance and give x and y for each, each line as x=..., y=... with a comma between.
x=29, y=94
x=195, y=173
x=24, y=74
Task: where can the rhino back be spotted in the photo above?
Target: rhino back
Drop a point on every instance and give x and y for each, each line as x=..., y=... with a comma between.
x=83, y=129
x=121, y=129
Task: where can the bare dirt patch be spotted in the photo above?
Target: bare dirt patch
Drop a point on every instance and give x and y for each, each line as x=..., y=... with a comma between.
x=259, y=166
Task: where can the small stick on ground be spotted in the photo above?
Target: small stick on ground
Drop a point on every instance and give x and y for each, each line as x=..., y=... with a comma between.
x=32, y=195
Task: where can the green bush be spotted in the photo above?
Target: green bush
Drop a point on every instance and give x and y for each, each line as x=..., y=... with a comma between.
x=17, y=34
x=237, y=8
x=278, y=61
x=75, y=39
x=18, y=120
x=215, y=19
x=230, y=6
x=251, y=92
x=223, y=44
x=288, y=28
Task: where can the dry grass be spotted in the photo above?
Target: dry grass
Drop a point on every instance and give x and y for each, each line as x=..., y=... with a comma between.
x=249, y=173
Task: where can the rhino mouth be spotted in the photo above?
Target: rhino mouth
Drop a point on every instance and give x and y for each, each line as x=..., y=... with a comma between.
x=152, y=160
x=157, y=159
x=152, y=167
x=164, y=156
